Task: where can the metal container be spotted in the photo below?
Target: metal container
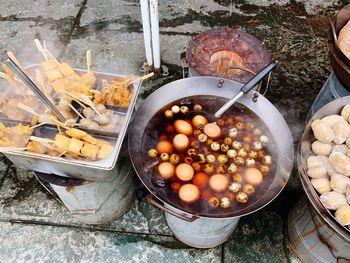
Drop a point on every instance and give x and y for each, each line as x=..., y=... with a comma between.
x=335, y=236
x=312, y=239
x=210, y=224
x=203, y=232
x=228, y=52
x=338, y=63
x=95, y=202
x=100, y=170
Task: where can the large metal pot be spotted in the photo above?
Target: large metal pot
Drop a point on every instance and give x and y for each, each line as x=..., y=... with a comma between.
x=330, y=232
x=338, y=60
x=202, y=226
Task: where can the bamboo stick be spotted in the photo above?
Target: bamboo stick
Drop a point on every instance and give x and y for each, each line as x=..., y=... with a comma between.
x=28, y=109
x=77, y=112
x=40, y=48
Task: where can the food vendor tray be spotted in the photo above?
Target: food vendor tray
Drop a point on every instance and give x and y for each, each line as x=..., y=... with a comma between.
x=100, y=170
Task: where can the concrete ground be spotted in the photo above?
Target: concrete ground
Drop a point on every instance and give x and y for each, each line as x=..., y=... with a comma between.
x=34, y=227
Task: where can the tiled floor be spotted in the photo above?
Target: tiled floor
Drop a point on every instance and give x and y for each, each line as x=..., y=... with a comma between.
x=43, y=231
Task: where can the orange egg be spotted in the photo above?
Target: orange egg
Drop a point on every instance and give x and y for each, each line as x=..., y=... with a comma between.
x=218, y=182
x=181, y=142
x=164, y=147
x=253, y=176
x=163, y=137
x=166, y=170
x=199, y=120
x=212, y=130
x=170, y=128
x=184, y=172
x=200, y=179
x=189, y=193
x=175, y=186
x=183, y=127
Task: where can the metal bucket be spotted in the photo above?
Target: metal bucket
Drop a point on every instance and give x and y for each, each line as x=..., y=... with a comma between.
x=317, y=236
x=311, y=238
x=203, y=232
x=95, y=202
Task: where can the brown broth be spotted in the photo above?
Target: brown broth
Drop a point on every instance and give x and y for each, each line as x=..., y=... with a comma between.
x=157, y=127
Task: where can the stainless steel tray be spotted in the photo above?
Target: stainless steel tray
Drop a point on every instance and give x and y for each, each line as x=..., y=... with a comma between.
x=100, y=170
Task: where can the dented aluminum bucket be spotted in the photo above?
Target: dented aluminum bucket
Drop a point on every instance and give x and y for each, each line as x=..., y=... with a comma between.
x=202, y=232
x=312, y=239
x=95, y=202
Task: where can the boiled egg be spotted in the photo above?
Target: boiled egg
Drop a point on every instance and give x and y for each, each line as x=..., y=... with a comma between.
x=201, y=179
x=166, y=170
x=189, y=193
x=181, y=142
x=218, y=182
x=184, y=172
x=183, y=127
x=212, y=130
x=199, y=120
x=164, y=147
x=253, y=176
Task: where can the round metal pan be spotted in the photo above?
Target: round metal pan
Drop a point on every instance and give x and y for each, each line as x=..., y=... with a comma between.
x=186, y=90
x=203, y=47
x=305, y=151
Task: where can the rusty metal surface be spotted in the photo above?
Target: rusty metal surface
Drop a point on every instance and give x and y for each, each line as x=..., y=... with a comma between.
x=311, y=238
x=239, y=48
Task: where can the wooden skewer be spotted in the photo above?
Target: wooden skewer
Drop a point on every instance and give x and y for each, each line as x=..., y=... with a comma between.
x=41, y=140
x=88, y=60
x=13, y=57
x=4, y=76
x=89, y=102
x=40, y=48
x=28, y=109
x=62, y=153
x=142, y=78
x=74, y=97
x=38, y=125
x=50, y=54
x=105, y=84
x=7, y=70
x=60, y=123
x=96, y=91
x=81, y=104
x=59, y=128
x=40, y=80
x=10, y=78
x=77, y=112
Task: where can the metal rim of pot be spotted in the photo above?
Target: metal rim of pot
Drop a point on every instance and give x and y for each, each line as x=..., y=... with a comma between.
x=183, y=89
x=304, y=148
x=337, y=59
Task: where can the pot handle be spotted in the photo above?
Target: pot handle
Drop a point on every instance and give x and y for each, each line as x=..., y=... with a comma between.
x=154, y=202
